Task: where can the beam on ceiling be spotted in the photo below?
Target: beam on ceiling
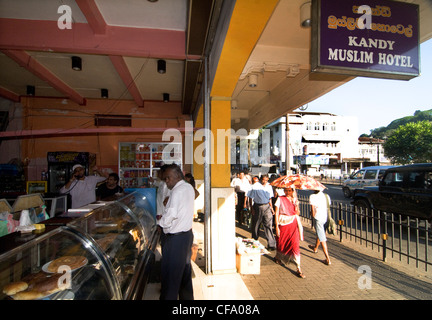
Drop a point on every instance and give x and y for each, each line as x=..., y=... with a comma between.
x=9, y=95
x=37, y=35
x=200, y=16
x=26, y=134
x=93, y=16
x=26, y=61
x=123, y=71
x=192, y=85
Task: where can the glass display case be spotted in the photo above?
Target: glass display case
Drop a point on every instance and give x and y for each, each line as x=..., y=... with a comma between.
x=105, y=255
x=25, y=272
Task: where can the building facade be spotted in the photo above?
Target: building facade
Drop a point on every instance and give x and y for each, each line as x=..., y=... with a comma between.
x=322, y=144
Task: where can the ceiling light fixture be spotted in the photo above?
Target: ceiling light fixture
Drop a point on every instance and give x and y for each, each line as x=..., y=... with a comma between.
x=104, y=93
x=233, y=104
x=305, y=15
x=253, y=80
x=166, y=97
x=161, y=66
x=76, y=63
x=152, y=0
x=31, y=90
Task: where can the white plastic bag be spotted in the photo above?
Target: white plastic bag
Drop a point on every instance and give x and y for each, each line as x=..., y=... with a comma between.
x=25, y=223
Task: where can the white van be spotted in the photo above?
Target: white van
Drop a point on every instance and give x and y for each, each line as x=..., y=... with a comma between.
x=368, y=176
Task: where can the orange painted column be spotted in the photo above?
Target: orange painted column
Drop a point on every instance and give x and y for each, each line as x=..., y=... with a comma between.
x=247, y=23
x=248, y=20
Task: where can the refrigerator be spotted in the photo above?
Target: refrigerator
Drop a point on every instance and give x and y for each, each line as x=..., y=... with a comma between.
x=60, y=165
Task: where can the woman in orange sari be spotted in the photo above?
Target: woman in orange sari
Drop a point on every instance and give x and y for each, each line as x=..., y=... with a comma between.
x=289, y=230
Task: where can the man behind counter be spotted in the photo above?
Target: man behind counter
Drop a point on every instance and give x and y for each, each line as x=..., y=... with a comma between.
x=110, y=187
x=82, y=188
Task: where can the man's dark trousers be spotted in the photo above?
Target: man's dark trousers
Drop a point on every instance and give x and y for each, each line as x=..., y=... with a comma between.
x=176, y=268
x=263, y=214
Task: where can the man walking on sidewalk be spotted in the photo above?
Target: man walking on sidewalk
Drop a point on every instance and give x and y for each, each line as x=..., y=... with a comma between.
x=320, y=203
x=262, y=212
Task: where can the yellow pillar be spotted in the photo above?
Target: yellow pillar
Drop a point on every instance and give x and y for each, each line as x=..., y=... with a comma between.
x=246, y=25
x=220, y=121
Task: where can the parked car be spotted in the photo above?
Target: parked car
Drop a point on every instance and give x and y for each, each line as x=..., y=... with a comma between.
x=404, y=190
x=368, y=176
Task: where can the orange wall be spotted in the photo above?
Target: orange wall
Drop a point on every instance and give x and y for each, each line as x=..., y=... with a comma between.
x=44, y=113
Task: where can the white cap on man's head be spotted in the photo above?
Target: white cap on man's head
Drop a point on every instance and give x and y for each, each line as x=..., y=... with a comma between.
x=77, y=166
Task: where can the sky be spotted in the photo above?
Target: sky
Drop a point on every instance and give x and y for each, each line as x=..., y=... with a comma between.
x=377, y=102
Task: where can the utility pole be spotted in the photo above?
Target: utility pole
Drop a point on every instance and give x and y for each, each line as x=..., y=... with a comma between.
x=378, y=152
x=287, y=148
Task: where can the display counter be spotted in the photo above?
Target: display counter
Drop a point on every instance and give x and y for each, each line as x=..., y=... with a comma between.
x=147, y=200
x=105, y=254
x=56, y=203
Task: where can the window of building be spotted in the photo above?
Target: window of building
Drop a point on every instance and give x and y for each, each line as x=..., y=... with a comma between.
x=325, y=126
x=333, y=126
x=317, y=126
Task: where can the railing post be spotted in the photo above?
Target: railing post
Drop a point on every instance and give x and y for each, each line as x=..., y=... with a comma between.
x=384, y=236
x=340, y=221
x=426, y=244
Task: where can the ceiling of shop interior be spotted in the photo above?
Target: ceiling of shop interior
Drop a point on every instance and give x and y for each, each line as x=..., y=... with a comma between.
x=120, y=42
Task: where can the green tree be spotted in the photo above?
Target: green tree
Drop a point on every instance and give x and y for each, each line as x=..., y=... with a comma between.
x=383, y=132
x=410, y=143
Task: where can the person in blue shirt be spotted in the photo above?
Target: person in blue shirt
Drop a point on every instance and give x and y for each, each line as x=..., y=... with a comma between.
x=262, y=212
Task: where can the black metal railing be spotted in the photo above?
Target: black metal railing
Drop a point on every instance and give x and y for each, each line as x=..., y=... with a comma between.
x=404, y=238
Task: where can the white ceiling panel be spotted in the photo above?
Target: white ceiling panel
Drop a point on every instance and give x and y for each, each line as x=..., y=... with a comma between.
x=167, y=14
x=152, y=84
x=39, y=10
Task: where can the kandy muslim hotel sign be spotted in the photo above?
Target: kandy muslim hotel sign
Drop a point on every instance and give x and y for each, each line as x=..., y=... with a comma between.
x=371, y=38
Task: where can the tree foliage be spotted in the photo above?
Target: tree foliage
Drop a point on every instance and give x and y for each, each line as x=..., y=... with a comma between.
x=410, y=143
x=383, y=132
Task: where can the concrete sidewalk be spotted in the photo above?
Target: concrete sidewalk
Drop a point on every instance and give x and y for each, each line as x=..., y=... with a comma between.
x=344, y=279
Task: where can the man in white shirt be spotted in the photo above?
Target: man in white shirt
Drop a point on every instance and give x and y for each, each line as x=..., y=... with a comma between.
x=82, y=188
x=320, y=202
x=162, y=191
x=176, y=221
x=162, y=197
x=241, y=186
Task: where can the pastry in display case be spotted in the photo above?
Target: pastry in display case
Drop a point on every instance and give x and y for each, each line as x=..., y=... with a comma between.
x=126, y=234
x=106, y=254
x=60, y=265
